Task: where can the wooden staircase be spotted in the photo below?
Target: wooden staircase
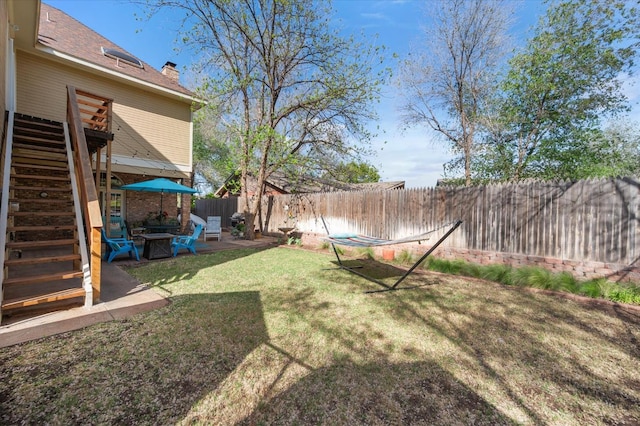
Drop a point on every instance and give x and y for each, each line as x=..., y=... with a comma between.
x=42, y=267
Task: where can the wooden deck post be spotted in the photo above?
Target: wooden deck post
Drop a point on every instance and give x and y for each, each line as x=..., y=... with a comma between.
x=96, y=262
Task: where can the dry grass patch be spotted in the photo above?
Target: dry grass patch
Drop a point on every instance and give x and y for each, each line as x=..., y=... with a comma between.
x=274, y=337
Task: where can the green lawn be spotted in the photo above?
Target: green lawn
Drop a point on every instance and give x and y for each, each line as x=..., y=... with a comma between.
x=274, y=337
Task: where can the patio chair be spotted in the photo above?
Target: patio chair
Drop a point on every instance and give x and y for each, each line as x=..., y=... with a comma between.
x=186, y=241
x=214, y=227
x=116, y=227
x=118, y=246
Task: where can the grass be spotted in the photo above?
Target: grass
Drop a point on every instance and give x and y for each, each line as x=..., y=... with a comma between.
x=276, y=337
x=536, y=277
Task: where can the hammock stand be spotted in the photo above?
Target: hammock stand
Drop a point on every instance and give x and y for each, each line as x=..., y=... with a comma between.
x=353, y=240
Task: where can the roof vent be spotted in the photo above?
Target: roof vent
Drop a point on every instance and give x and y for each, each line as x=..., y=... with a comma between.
x=121, y=56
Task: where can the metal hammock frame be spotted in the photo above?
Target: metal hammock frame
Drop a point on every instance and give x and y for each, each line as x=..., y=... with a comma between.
x=353, y=240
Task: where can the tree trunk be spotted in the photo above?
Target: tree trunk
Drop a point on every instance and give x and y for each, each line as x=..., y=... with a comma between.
x=249, y=219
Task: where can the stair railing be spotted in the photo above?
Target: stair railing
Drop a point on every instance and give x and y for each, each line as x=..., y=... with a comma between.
x=4, y=201
x=95, y=111
x=86, y=189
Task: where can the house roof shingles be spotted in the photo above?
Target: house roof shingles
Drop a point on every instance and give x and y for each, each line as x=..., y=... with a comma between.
x=65, y=34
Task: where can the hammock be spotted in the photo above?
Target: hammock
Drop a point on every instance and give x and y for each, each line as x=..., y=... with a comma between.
x=355, y=240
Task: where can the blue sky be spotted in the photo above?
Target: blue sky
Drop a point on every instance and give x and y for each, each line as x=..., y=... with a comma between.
x=412, y=156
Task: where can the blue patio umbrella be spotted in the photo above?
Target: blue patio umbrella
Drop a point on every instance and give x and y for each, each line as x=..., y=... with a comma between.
x=161, y=185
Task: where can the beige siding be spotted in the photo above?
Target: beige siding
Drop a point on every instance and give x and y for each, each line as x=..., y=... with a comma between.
x=4, y=18
x=148, y=128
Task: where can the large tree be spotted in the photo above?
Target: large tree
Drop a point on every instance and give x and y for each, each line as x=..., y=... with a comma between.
x=558, y=91
x=284, y=84
x=446, y=82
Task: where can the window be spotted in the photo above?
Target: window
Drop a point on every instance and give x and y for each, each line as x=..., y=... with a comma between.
x=116, y=183
x=121, y=56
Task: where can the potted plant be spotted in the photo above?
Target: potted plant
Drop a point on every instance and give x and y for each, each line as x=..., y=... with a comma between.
x=238, y=230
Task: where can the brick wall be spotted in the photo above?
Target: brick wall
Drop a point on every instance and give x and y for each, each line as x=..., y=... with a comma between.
x=139, y=203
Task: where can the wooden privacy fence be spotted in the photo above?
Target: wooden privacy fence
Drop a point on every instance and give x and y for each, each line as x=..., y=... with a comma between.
x=594, y=220
x=223, y=207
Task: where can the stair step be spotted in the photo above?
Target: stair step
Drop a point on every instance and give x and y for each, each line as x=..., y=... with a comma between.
x=41, y=167
x=41, y=188
x=43, y=214
x=27, y=160
x=29, y=122
x=39, y=177
x=51, y=132
x=40, y=243
x=41, y=228
x=22, y=127
x=37, y=142
x=43, y=278
x=39, y=148
x=41, y=200
x=46, y=259
x=39, y=154
x=44, y=298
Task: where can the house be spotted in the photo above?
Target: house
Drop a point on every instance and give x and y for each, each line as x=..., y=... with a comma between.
x=279, y=183
x=83, y=117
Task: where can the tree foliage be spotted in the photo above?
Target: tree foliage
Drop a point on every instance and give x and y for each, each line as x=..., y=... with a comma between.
x=447, y=83
x=213, y=159
x=284, y=85
x=559, y=90
x=354, y=172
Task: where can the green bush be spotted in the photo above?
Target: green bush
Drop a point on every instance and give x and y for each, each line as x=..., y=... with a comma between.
x=537, y=277
x=626, y=294
x=367, y=252
x=498, y=273
x=405, y=257
x=564, y=281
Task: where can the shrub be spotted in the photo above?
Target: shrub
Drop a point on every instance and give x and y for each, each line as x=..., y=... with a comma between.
x=367, y=252
x=533, y=276
x=405, y=257
x=498, y=273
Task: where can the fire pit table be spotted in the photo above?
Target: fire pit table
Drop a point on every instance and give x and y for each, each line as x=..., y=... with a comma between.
x=157, y=246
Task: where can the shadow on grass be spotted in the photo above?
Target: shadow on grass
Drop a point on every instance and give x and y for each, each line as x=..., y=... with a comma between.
x=543, y=354
x=151, y=369
x=378, y=393
x=537, y=331
x=387, y=274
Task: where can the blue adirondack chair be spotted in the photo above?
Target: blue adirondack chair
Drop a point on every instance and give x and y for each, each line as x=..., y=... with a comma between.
x=117, y=246
x=186, y=241
x=115, y=227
